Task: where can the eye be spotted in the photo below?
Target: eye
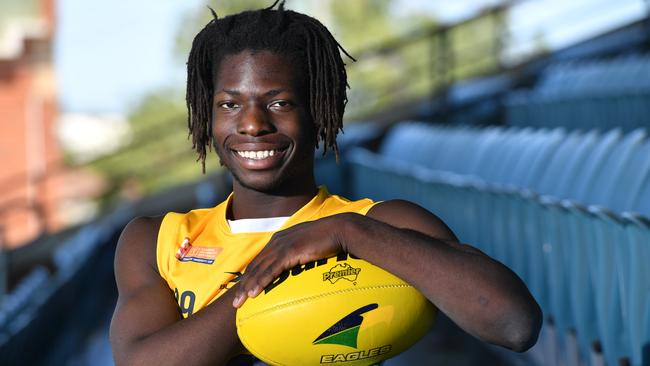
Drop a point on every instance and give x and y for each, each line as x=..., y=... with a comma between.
x=281, y=105
x=228, y=105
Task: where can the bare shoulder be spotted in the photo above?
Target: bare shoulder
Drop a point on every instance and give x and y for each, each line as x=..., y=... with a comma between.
x=136, y=248
x=145, y=303
x=408, y=215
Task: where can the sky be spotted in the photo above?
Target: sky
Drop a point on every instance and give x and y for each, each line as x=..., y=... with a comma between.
x=108, y=54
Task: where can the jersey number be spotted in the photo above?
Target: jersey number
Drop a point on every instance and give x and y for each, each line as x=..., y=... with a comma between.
x=185, y=302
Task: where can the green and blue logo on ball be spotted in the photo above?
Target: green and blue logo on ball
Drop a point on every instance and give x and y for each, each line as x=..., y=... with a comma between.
x=346, y=330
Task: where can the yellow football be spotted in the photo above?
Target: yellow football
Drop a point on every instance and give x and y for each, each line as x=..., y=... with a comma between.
x=340, y=310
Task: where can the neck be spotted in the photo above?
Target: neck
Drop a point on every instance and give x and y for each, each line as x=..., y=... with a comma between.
x=247, y=203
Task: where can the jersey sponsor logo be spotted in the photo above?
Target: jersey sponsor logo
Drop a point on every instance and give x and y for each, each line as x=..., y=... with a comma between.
x=295, y=271
x=345, y=332
x=341, y=271
x=204, y=255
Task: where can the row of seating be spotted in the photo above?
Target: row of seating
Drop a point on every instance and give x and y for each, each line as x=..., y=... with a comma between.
x=586, y=94
x=19, y=298
x=50, y=314
x=550, y=162
x=567, y=211
x=328, y=170
x=631, y=111
x=620, y=75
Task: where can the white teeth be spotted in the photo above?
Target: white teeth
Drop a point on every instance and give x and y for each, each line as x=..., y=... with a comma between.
x=256, y=155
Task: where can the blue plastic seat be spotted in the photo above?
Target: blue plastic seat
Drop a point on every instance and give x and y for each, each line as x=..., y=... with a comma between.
x=611, y=182
x=401, y=142
x=535, y=156
x=632, y=180
x=641, y=204
x=564, y=261
x=636, y=276
x=496, y=199
x=515, y=218
x=455, y=150
x=585, y=95
x=593, y=235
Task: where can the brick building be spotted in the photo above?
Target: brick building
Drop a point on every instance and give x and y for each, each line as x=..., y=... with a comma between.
x=29, y=153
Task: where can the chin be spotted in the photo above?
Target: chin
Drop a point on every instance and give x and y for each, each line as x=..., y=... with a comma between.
x=283, y=182
x=267, y=184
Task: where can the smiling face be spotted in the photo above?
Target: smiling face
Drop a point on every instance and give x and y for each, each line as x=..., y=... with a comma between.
x=261, y=125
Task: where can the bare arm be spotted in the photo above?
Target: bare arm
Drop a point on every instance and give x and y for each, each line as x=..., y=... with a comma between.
x=481, y=295
x=147, y=328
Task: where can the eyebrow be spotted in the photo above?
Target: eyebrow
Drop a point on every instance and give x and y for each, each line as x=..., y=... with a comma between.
x=270, y=93
x=231, y=92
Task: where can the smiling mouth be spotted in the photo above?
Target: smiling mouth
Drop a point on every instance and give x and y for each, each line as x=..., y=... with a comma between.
x=260, y=157
x=259, y=154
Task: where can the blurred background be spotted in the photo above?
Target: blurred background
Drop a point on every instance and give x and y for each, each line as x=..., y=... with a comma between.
x=523, y=124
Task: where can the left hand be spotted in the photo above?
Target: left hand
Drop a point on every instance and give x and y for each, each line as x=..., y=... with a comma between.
x=299, y=244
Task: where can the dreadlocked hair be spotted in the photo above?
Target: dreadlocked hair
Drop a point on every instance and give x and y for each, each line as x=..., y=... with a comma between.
x=302, y=38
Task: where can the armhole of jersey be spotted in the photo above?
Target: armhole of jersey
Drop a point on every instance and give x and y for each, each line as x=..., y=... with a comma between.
x=167, y=232
x=364, y=211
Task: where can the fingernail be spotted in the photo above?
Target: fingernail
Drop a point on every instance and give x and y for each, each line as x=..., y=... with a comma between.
x=236, y=301
x=254, y=292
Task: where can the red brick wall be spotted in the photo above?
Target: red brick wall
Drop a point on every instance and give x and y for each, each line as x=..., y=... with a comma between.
x=29, y=153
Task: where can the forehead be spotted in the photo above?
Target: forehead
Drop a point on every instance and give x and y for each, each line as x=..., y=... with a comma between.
x=263, y=68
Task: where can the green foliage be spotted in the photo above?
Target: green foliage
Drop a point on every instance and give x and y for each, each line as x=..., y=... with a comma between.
x=160, y=154
x=361, y=23
x=17, y=10
x=381, y=79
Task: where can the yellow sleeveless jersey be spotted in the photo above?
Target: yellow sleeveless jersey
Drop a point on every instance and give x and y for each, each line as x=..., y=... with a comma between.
x=214, y=257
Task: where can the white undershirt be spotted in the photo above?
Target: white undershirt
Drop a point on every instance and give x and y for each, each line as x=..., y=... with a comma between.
x=257, y=225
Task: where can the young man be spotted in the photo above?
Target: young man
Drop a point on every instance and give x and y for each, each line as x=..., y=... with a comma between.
x=264, y=88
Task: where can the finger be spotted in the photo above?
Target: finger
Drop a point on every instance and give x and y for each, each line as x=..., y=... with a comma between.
x=264, y=278
x=251, y=282
x=242, y=289
x=239, y=299
x=246, y=284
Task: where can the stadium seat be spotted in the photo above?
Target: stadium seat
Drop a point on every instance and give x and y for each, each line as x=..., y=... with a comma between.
x=530, y=169
x=587, y=171
x=612, y=179
x=585, y=95
x=635, y=277
x=516, y=218
x=20, y=296
x=545, y=202
x=641, y=205
x=581, y=238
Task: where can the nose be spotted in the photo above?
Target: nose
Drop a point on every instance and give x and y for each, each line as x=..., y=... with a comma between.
x=254, y=121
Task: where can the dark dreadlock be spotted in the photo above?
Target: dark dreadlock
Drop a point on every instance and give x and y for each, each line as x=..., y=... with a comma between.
x=298, y=36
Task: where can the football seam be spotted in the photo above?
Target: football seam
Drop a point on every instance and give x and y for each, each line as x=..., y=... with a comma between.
x=313, y=297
